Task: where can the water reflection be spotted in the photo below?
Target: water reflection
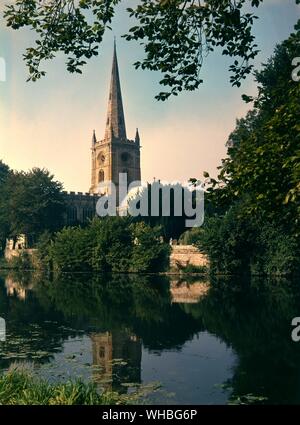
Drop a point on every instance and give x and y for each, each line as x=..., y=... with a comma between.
x=17, y=287
x=206, y=343
x=118, y=356
x=183, y=292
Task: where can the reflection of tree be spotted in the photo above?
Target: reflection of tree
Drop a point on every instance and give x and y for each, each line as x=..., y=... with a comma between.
x=255, y=322
x=108, y=301
x=136, y=302
x=32, y=333
x=120, y=311
x=118, y=304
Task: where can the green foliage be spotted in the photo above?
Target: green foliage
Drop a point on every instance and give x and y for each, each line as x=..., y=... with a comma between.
x=149, y=254
x=190, y=236
x=191, y=269
x=43, y=247
x=112, y=244
x=4, y=172
x=153, y=197
x=255, y=225
x=33, y=203
x=4, y=224
x=23, y=261
x=61, y=26
x=276, y=252
x=236, y=244
x=227, y=241
x=71, y=250
x=19, y=387
x=263, y=166
x=176, y=35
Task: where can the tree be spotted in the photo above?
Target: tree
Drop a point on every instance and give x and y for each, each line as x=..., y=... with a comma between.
x=35, y=203
x=263, y=163
x=110, y=244
x=254, y=225
x=71, y=251
x=4, y=213
x=151, y=201
x=149, y=254
x=4, y=172
x=176, y=35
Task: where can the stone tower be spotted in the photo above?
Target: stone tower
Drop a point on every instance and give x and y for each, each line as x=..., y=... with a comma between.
x=115, y=153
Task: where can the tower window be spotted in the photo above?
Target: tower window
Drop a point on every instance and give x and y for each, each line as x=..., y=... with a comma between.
x=101, y=176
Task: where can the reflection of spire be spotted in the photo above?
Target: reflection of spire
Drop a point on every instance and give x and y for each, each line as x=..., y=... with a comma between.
x=115, y=123
x=118, y=356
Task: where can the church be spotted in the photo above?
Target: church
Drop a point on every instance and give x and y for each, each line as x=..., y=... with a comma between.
x=110, y=156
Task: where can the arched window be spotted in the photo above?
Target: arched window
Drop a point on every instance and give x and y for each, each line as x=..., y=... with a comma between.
x=101, y=176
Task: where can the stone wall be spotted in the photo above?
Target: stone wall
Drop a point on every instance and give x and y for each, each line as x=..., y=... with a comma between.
x=80, y=207
x=184, y=255
x=9, y=254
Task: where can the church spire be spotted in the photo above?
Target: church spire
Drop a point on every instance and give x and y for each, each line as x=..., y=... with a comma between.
x=115, y=123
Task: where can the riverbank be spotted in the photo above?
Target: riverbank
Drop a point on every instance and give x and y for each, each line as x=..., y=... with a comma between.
x=19, y=387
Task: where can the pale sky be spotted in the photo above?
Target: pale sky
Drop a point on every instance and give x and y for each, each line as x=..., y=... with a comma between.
x=49, y=123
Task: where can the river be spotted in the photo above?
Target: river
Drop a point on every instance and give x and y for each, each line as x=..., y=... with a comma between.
x=181, y=339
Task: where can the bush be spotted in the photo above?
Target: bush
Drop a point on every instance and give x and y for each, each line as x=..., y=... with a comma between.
x=228, y=242
x=190, y=237
x=23, y=261
x=236, y=244
x=112, y=244
x=192, y=269
x=149, y=252
x=277, y=253
x=71, y=250
x=43, y=250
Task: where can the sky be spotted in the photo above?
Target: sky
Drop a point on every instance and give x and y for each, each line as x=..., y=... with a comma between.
x=49, y=123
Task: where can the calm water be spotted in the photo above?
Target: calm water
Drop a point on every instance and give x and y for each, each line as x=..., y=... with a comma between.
x=204, y=345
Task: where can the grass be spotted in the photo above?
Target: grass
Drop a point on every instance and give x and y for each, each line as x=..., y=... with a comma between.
x=19, y=387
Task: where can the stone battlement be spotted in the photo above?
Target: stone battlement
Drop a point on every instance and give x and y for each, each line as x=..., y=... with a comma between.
x=85, y=194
